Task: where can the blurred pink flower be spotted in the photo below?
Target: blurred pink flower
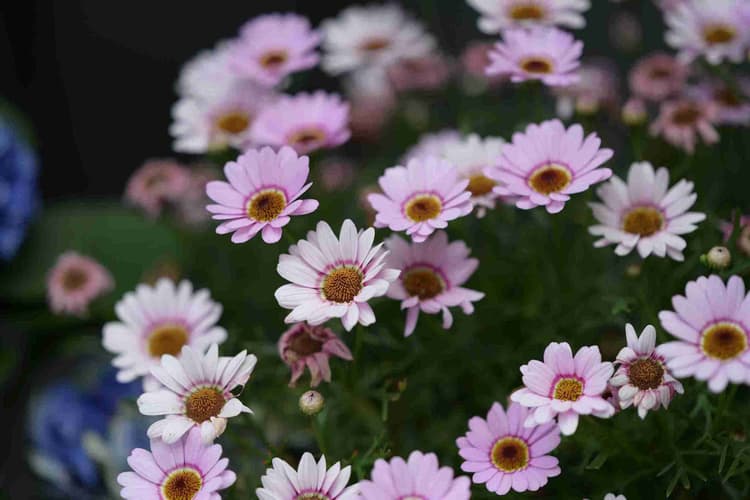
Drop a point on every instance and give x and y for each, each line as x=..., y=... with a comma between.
x=657, y=76
x=682, y=121
x=74, y=282
x=157, y=183
x=304, y=345
x=427, y=72
x=335, y=174
x=732, y=104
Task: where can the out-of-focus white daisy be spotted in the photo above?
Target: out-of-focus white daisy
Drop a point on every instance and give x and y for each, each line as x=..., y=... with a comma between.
x=207, y=75
x=311, y=481
x=499, y=15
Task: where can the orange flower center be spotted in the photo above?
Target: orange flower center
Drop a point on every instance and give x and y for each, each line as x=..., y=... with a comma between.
x=342, y=284
x=74, y=278
x=423, y=282
x=510, y=454
x=724, y=341
x=167, y=339
x=307, y=137
x=536, y=65
x=646, y=374
x=526, y=11
x=480, y=184
x=273, y=59
x=203, y=404
x=550, y=178
x=182, y=484
x=375, y=44
x=233, y=122
x=568, y=389
x=266, y=205
x=423, y=207
x=717, y=34
x=643, y=221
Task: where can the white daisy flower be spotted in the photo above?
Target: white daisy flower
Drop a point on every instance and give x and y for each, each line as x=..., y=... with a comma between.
x=198, y=392
x=334, y=277
x=644, y=214
x=160, y=320
x=716, y=29
x=499, y=15
x=371, y=36
x=311, y=481
x=209, y=75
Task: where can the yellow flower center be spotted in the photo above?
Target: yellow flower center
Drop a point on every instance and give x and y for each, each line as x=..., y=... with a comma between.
x=716, y=34
x=273, y=59
x=550, y=178
x=182, y=484
x=646, y=374
x=480, y=184
x=266, y=205
x=167, y=339
x=423, y=207
x=342, y=284
x=204, y=403
x=423, y=282
x=526, y=11
x=724, y=341
x=568, y=389
x=374, y=44
x=233, y=122
x=510, y=454
x=74, y=278
x=643, y=221
x=536, y=65
x=308, y=137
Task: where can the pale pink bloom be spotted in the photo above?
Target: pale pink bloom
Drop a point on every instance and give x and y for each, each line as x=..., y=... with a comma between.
x=312, y=480
x=596, y=88
x=642, y=379
x=644, y=213
x=427, y=72
x=306, y=122
x=711, y=322
x=546, y=54
x=208, y=76
x=657, y=76
x=334, y=277
x=565, y=387
x=74, y=282
x=185, y=469
x=504, y=455
x=432, y=144
x=197, y=392
x=262, y=194
x=547, y=163
x=431, y=277
x=419, y=476
x=421, y=197
x=156, y=184
x=336, y=174
x=732, y=104
x=681, y=122
x=500, y=15
x=273, y=46
x=304, y=345
x=475, y=59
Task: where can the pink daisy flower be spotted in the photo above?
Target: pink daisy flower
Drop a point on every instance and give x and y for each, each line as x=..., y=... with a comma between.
x=546, y=164
x=185, y=469
x=419, y=476
x=500, y=15
x=732, y=104
x=681, y=122
x=156, y=184
x=334, y=277
x=74, y=282
x=565, y=387
x=421, y=197
x=431, y=277
x=712, y=323
x=272, y=46
x=310, y=481
x=262, y=194
x=657, y=76
x=546, y=54
x=505, y=455
x=306, y=122
x=304, y=345
x=428, y=72
x=642, y=379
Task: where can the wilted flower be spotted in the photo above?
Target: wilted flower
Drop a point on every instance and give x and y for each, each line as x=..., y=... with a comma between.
x=304, y=345
x=682, y=121
x=74, y=282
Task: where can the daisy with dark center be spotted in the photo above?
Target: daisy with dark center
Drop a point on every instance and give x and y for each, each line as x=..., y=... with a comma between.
x=500, y=15
x=711, y=322
x=547, y=163
x=74, y=282
x=539, y=53
x=156, y=184
x=657, y=76
x=732, y=103
x=419, y=477
x=198, y=391
x=420, y=197
x=433, y=144
x=503, y=454
x=642, y=379
x=645, y=214
x=565, y=387
x=431, y=277
x=681, y=122
x=187, y=469
x=262, y=194
x=159, y=320
x=273, y=46
x=305, y=122
x=310, y=481
x=334, y=277
x=310, y=346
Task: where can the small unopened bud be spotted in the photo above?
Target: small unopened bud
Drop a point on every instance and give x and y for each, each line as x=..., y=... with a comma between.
x=311, y=403
x=587, y=105
x=743, y=240
x=717, y=258
x=634, y=112
x=633, y=270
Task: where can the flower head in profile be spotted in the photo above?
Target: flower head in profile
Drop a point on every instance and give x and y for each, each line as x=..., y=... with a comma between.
x=549, y=55
x=334, y=277
x=681, y=122
x=716, y=30
x=644, y=213
x=272, y=46
x=504, y=455
x=372, y=37
x=548, y=163
x=305, y=122
x=432, y=273
x=311, y=481
x=421, y=197
x=419, y=476
x=565, y=386
x=197, y=392
x=262, y=194
x=709, y=322
x=732, y=102
x=74, y=282
x=185, y=469
x=642, y=379
x=156, y=184
x=310, y=346
x=157, y=320
x=500, y=15
x=657, y=76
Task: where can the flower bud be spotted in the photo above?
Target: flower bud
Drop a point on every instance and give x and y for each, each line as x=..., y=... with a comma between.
x=717, y=258
x=634, y=112
x=311, y=402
